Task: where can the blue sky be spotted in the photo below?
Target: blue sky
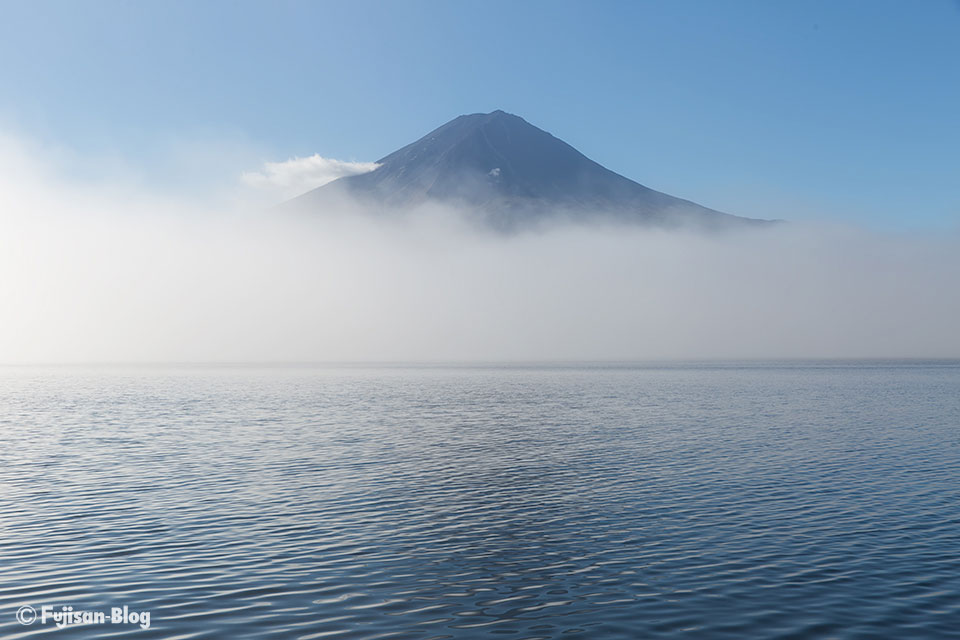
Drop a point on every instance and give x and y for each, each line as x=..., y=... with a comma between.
x=846, y=111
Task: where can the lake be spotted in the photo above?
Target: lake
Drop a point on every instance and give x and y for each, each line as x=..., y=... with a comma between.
x=696, y=500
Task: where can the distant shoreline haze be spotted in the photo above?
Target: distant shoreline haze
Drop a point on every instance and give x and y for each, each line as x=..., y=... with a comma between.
x=405, y=266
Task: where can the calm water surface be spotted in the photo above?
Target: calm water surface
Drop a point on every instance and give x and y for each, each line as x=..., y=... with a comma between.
x=791, y=500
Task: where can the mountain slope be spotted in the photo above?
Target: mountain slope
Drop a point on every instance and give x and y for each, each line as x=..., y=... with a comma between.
x=511, y=175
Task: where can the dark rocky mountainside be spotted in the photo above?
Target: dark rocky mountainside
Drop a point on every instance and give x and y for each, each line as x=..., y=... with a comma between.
x=510, y=175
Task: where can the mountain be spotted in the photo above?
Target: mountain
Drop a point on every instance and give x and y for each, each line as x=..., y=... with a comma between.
x=510, y=175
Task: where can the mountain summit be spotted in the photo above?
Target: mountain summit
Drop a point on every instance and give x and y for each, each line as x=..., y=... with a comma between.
x=511, y=175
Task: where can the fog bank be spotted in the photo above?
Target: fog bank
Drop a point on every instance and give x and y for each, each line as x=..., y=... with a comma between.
x=105, y=272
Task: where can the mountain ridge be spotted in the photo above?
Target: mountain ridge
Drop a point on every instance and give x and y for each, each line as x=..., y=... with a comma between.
x=509, y=175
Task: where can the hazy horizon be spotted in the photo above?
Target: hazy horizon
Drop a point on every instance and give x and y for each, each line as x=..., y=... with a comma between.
x=110, y=270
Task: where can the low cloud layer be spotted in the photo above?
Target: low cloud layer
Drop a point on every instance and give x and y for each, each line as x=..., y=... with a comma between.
x=299, y=175
x=105, y=273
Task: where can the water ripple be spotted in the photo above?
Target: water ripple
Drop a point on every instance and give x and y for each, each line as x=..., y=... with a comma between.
x=774, y=501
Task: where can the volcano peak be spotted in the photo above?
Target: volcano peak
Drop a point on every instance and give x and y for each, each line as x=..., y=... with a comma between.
x=510, y=174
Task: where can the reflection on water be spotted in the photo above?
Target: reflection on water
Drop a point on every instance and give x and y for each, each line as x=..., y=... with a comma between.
x=720, y=501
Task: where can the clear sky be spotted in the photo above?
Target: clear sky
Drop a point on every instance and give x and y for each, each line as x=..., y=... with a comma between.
x=846, y=111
